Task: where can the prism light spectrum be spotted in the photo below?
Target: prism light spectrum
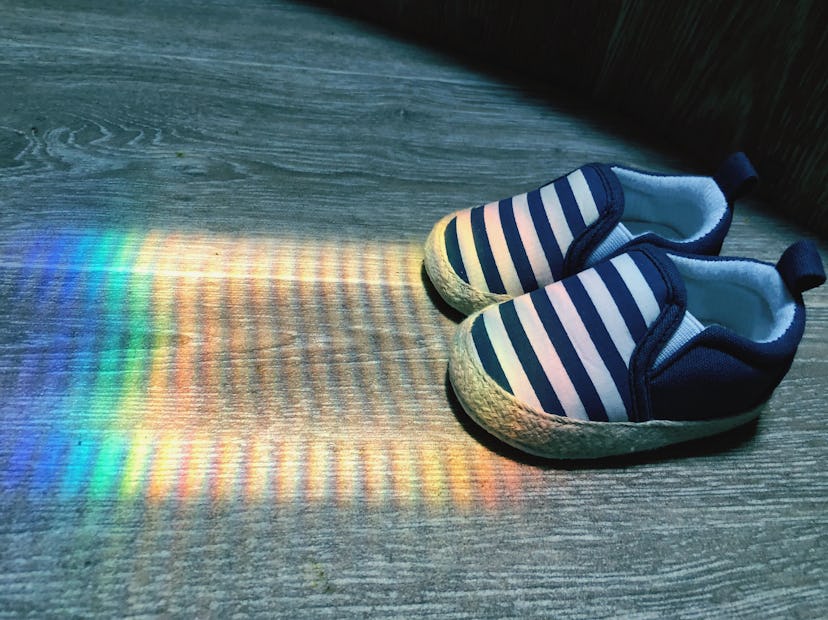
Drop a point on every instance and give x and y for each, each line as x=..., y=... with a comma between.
x=162, y=365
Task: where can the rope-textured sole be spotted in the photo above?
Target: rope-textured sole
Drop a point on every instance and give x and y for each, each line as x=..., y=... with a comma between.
x=559, y=437
x=458, y=294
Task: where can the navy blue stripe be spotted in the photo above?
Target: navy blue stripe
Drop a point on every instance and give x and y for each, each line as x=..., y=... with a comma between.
x=623, y=299
x=487, y=354
x=455, y=258
x=531, y=366
x=571, y=210
x=569, y=357
x=596, y=188
x=547, y=238
x=600, y=337
x=484, y=252
x=515, y=245
x=652, y=275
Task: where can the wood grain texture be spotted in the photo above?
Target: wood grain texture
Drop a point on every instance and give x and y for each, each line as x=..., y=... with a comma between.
x=222, y=376
x=710, y=77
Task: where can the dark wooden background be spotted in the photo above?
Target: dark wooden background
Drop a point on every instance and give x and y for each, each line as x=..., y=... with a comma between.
x=711, y=77
x=222, y=374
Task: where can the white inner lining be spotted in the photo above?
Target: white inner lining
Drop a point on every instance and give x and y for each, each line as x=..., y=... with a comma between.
x=678, y=208
x=746, y=297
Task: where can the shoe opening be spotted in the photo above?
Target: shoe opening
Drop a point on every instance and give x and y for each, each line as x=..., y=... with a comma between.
x=678, y=208
x=746, y=297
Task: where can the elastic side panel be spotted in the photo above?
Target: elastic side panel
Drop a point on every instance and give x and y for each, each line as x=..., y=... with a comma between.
x=687, y=329
x=618, y=238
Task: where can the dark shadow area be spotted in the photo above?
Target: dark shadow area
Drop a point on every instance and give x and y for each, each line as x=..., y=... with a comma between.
x=698, y=448
x=675, y=70
x=565, y=97
x=535, y=85
x=439, y=302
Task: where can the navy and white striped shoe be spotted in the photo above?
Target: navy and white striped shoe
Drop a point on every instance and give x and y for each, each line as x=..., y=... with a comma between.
x=487, y=254
x=646, y=349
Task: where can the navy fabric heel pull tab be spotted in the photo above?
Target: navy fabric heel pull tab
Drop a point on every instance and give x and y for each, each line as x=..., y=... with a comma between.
x=736, y=176
x=801, y=267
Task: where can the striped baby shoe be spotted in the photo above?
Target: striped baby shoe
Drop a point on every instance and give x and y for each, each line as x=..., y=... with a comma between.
x=643, y=350
x=487, y=254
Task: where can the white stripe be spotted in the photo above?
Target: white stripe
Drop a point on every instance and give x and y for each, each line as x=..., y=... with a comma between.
x=468, y=253
x=594, y=364
x=609, y=313
x=548, y=357
x=580, y=188
x=509, y=362
x=500, y=251
x=530, y=241
x=638, y=286
x=557, y=219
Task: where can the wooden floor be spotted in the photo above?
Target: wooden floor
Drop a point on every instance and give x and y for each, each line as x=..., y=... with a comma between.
x=222, y=374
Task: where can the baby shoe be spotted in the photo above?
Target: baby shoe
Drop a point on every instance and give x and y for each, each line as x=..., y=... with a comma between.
x=649, y=348
x=487, y=254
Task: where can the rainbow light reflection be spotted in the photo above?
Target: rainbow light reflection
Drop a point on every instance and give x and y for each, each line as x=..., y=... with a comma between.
x=194, y=366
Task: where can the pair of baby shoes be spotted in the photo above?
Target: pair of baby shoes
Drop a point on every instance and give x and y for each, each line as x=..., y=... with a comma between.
x=603, y=322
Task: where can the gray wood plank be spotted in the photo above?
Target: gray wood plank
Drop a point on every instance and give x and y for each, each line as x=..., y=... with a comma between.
x=222, y=377
x=676, y=69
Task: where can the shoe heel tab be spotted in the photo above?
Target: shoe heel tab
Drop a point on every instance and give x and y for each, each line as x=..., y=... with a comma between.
x=801, y=267
x=736, y=176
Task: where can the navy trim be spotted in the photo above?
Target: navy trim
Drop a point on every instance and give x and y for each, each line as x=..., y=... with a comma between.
x=547, y=238
x=800, y=267
x=487, y=354
x=455, y=258
x=736, y=176
x=527, y=358
x=651, y=344
x=600, y=337
x=569, y=357
x=611, y=209
x=484, y=252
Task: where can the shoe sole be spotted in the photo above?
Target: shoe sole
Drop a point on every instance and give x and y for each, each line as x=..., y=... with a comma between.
x=457, y=293
x=558, y=437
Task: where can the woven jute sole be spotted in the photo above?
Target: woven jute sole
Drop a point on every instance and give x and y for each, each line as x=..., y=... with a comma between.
x=552, y=436
x=457, y=293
